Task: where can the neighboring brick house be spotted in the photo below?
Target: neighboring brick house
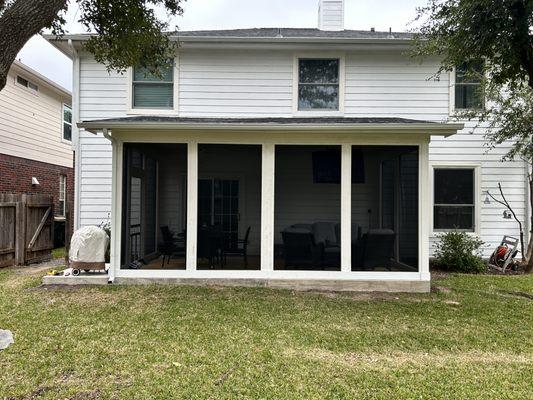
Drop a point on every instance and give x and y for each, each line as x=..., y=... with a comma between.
x=36, y=153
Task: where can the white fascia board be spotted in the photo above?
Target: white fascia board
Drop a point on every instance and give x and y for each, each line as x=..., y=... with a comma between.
x=427, y=129
x=236, y=41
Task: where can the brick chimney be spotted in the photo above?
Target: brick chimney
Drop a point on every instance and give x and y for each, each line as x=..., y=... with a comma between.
x=331, y=15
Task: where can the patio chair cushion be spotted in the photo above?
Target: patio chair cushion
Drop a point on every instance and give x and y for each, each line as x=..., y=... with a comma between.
x=300, y=248
x=307, y=227
x=374, y=249
x=292, y=229
x=324, y=232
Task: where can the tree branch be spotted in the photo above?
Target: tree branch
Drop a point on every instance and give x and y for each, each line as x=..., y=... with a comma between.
x=506, y=204
x=521, y=37
x=20, y=21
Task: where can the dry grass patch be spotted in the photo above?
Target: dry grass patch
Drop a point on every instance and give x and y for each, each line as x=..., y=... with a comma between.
x=396, y=359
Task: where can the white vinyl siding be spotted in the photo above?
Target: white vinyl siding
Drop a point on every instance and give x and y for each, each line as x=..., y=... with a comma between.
x=103, y=94
x=240, y=83
x=467, y=148
x=259, y=83
x=31, y=122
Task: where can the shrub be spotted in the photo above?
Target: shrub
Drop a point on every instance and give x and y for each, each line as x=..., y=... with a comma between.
x=459, y=252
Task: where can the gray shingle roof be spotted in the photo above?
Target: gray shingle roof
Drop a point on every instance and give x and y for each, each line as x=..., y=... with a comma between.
x=293, y=33
x=260, y=121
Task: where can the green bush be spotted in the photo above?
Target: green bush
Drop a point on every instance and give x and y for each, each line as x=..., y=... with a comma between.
x=459, y=252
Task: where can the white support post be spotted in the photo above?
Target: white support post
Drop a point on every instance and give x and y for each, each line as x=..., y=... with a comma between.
x=116, y=206
x=424, y=209
x=267, y=207
x=192, y=205
x=346, y=208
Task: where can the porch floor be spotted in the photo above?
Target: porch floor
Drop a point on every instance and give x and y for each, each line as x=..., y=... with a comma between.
x=237, y=263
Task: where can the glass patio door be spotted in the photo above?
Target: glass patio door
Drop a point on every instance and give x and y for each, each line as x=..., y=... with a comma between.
x=218, y=204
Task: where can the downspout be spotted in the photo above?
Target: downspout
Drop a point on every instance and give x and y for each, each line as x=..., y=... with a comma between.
x=112, y=272
x=76, y=132
x=528, y=170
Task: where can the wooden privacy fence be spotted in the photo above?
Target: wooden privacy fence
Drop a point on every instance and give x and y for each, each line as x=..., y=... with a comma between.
x=26, y=228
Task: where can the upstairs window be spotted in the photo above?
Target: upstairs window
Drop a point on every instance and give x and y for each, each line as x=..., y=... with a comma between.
x=67, y=122
x=27, y=84
x=152, y=91
x=454, y=207
x=318, y=84
x=468, y=90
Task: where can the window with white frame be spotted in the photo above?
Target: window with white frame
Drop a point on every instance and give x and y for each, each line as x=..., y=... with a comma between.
x=67, y=122
x=468, y=91
x=318, y=84
x=153, y=91
x=26, y=83
x=454, y=199
x=62, y=195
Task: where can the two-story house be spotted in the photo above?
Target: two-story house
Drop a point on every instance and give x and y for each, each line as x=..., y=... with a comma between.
x=283, y=157
x=36, y=128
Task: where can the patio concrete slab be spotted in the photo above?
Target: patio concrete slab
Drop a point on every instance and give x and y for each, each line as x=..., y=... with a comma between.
x=290, y=284
x=82, y=279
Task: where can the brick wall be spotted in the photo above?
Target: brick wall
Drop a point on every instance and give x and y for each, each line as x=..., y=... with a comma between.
x=16, y=174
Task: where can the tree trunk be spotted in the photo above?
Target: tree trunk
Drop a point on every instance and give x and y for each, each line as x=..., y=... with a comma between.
x=529, y=263
x=529, y=253
x=18, y=23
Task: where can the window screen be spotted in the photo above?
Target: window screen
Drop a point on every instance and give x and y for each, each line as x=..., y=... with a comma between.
x=454, y=207
x=151, y=90
x=468, y=91
x=318, y=84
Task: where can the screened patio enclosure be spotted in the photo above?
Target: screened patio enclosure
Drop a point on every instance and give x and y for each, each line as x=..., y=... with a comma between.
x=384, y=208
x=307, y=207
x=155, y=206
x=356, y=190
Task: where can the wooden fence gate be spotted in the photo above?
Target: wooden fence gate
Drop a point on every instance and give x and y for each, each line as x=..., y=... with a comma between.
x=26, y=228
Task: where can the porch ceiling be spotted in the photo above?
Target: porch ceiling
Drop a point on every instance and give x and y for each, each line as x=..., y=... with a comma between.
x=345, y=124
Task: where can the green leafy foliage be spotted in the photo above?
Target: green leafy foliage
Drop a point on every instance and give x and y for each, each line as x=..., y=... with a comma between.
x=498, y=34
x=460, y=252
x=129, y=32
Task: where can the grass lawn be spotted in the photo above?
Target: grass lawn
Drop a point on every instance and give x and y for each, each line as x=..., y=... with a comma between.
x=472, y=339
x=58, y=253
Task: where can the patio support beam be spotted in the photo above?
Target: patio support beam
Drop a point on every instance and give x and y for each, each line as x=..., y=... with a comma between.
x=267, y=206
x=116, y=206
x=346, y=208
x=192, y=205
x=424, y=209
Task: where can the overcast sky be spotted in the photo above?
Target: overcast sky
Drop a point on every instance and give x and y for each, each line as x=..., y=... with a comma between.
x=229, y=14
